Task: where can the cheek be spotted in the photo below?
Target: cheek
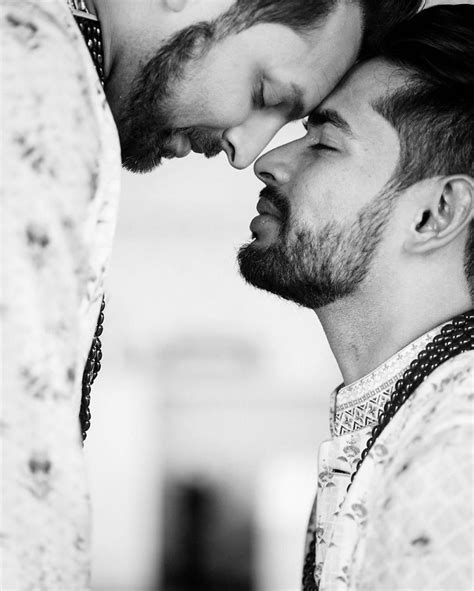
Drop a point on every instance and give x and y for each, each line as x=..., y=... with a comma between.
x=324, y=195
x=201, y=108
x=375, y=170
x=336, y=190
x=210, y=100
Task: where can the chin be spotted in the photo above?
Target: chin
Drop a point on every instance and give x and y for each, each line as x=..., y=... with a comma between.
x=139, y=166
x=143, y=163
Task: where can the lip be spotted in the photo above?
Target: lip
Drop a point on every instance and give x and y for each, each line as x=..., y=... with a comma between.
x=265, y=229
x=265, y=207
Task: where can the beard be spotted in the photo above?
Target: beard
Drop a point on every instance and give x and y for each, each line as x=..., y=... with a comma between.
x=143, y=120
x=316, y=268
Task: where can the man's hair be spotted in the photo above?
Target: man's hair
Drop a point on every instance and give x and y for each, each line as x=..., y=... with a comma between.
x=433, y=112
x=303, y=16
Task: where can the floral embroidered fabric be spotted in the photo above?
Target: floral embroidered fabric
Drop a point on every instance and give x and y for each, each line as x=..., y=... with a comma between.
x=59, y=188
x=366, y=538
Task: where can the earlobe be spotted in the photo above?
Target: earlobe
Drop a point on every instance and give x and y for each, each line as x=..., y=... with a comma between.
x=175, y=5
x=445, y=216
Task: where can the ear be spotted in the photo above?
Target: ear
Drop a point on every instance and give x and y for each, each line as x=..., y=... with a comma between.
x=175, y=5
x=447, y=212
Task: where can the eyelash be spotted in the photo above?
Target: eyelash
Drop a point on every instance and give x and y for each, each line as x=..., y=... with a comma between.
x=319, y=146
x=259, y=97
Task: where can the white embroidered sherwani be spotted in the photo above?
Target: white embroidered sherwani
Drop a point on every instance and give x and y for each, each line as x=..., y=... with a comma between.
x=59, y=183
x=407, y=521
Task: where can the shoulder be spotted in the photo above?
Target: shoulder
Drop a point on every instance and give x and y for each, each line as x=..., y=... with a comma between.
x=423, y=514
x=446, y=397
x=51, y=118
x=458, y=369
x=44, y=59
x=436, y=427
x=30, y=28
x=435, y=436
x=443, y=401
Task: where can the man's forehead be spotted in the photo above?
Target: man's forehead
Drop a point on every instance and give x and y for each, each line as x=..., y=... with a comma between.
x=364, y=84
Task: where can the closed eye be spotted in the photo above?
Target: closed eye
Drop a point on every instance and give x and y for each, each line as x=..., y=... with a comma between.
x=320, y=146
x=258, y=96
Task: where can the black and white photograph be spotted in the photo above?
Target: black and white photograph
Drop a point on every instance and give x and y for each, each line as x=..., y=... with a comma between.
x=236, y=295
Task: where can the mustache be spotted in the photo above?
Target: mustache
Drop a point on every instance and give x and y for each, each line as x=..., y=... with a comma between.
x=278, y=200
x=204, y=142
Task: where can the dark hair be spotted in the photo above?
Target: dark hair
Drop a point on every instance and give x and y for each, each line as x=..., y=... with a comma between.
x=303, y=16
x=434, y=112
x=300, y=15
x=379, y=16
x=382, y=16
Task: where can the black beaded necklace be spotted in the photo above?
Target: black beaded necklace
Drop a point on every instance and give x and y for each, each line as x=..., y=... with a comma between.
x=90, y=28
x=455, y=338
x=91, y=370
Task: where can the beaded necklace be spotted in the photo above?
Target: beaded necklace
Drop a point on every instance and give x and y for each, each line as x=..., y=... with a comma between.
x=91, y=370
x=455, y=338
x=89, y=26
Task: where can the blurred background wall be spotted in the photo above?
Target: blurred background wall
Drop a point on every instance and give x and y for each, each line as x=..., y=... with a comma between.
x=212, y=401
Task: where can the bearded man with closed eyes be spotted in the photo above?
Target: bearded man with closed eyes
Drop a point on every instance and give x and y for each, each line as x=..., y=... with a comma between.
x=368, y=220
x=88, y=86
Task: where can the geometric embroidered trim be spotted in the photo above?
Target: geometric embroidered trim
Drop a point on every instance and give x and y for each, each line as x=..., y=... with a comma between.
x=359, y=404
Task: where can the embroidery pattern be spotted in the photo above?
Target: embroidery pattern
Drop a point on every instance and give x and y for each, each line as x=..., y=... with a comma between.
x=58, y=205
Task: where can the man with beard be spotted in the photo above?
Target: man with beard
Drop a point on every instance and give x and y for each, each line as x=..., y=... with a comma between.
x=178, y=75
x=368, y=220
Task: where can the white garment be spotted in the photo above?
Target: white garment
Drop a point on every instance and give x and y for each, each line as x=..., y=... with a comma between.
x=60, y=170
x=407, y=521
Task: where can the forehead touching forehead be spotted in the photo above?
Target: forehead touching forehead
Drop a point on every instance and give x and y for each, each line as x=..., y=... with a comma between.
x=357, y=94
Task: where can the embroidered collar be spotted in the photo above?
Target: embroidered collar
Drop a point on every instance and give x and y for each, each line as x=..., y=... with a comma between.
x=358, y=405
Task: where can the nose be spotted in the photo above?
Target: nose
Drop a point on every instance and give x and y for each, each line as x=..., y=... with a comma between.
x=241, y=153
x=274, y=167
x=244, y=143
x=229, y=149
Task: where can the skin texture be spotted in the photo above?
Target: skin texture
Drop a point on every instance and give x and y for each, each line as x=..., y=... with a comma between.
x=410, y=279
x=211, y=105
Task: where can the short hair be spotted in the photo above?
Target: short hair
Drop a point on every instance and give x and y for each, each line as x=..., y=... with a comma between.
x=299, y=15
x=303, y=16
x=379, y=16
x=433, y=112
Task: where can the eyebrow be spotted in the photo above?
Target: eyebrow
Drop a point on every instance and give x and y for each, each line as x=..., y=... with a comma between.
x=322, y=116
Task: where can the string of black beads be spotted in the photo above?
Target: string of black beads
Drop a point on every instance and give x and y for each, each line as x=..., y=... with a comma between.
x=454, y=338
x=309, y=584
x=91, y=370
x=92, y=34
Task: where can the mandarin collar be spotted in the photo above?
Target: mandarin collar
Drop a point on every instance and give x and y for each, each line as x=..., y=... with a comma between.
x=357, y=405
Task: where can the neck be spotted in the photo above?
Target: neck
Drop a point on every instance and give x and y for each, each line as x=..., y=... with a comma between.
x=364, y=332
